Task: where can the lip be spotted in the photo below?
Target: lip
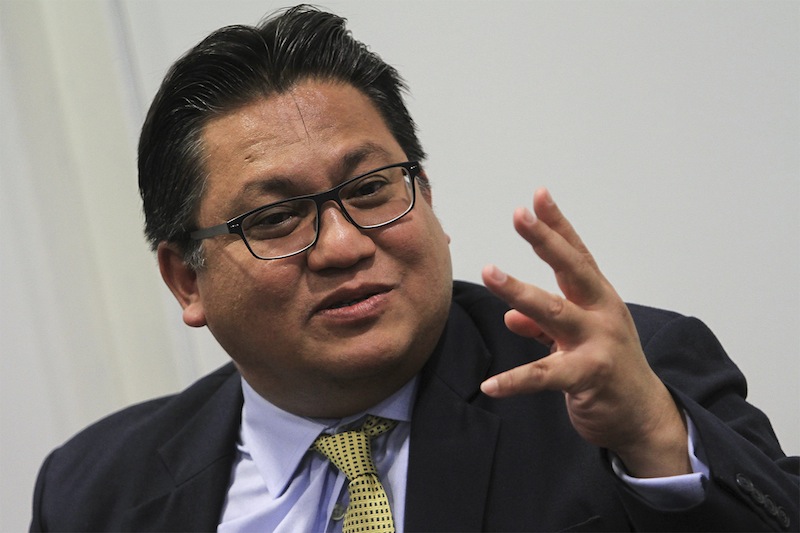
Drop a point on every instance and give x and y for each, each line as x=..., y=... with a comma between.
x=352, y=302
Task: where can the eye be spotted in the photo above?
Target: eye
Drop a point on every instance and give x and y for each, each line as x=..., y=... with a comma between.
x=369, y=186
x=368, y=192
x=278, y=221
x=272, y=219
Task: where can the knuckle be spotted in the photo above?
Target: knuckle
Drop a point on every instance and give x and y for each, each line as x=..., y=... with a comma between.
x=600, y=364
x=534, y=373
x=555, y=306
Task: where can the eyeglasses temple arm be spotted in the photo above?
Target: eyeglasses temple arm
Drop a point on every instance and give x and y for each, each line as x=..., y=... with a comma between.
x=200, y=234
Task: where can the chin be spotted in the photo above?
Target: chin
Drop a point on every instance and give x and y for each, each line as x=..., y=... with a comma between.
x=382, y=361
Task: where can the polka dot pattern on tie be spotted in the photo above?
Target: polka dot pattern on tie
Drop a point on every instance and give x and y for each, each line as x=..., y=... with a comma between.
x=351, y=452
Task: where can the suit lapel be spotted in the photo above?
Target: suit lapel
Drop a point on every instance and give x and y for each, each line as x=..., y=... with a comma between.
x=198, y=460
x=452, y=442
x=451, y=451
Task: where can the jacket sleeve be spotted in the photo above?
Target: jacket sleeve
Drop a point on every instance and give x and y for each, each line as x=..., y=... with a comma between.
x=753, y=486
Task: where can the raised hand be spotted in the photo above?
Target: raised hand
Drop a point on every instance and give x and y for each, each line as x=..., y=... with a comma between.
x=614, y=399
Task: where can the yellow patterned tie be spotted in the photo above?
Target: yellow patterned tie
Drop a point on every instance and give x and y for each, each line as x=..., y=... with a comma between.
x=351, y=452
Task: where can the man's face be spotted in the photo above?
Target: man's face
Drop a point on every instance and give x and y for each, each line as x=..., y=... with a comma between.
x=362, y=308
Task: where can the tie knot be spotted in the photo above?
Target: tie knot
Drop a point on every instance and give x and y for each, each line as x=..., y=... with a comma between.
x=351, y=451
x=375, y=425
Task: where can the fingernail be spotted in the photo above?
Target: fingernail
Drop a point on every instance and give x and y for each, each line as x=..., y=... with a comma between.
x=496, y=274
x=548, y=198
x=527, y=216
x=490, y=386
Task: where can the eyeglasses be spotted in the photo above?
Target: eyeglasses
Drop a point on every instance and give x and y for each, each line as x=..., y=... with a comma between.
x=291, y=226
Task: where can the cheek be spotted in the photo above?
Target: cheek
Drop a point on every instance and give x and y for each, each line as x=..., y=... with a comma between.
x=422, y=248
x=430, y=239
x=242, y=295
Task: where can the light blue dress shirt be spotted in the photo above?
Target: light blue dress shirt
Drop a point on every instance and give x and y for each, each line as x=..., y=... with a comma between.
x=278, y=484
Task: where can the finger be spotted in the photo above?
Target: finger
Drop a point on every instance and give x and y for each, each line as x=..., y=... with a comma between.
x=576, y=272
x=548, y=211
x=525, y=379
x=557, y=318
x=527, y=327
x=549, y=373
x=548, y=244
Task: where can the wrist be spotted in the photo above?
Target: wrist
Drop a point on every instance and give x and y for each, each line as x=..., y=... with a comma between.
x=662, y=450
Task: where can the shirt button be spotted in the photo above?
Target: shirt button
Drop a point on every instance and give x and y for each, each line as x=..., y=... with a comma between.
x=338, y=512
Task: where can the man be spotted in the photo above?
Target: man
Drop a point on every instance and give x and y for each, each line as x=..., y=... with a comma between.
x=284, y=195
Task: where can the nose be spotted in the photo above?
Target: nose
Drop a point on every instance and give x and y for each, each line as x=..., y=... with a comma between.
x=340, y=244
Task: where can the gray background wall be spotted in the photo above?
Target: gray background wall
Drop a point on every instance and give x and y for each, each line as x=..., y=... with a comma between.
x=669, y=132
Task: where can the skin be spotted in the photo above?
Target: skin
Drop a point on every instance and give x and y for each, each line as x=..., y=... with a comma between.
x=278, y=321
x=281, y=321
x=614, y=398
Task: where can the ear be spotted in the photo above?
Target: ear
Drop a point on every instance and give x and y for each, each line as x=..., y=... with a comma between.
x=427, y=193
x=182, y=281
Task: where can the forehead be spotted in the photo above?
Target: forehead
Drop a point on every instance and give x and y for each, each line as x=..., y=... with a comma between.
x=302, y=137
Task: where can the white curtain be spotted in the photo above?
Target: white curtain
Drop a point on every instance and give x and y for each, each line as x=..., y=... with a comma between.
x=86, y=326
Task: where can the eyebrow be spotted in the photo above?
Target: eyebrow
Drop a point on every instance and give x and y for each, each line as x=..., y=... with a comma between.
x=354, y=158
x=283, y=186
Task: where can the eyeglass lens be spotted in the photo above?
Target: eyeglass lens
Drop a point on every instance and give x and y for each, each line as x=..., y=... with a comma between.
x=289, y=227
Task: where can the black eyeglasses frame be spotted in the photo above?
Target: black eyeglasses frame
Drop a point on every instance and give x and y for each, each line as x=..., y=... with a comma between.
x=234, y=225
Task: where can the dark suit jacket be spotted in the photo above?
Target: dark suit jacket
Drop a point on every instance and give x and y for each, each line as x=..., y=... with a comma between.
x=475, y=463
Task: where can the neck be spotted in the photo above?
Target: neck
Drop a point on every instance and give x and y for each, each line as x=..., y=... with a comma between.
x=328, y=398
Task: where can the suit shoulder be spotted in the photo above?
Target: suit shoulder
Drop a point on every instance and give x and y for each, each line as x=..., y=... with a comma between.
x=114, y=465
x=137, y=424
x=649, y=320
x=659, y=326
x=477, y=299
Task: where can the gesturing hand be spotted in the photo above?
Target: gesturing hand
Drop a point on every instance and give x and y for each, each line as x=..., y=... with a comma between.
x=613, y=397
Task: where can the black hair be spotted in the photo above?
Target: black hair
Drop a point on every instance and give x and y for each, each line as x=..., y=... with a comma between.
x=232, y=67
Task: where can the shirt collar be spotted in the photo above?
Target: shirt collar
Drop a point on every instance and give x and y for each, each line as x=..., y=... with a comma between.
x=278, y=440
